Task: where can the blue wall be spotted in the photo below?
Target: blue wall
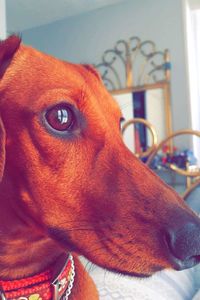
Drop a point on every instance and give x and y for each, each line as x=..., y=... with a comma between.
x=84, y=38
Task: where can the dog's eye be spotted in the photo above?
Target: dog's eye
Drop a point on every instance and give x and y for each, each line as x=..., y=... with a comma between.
x=60, y=117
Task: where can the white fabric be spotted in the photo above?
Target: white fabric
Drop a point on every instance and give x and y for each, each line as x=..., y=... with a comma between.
x=197, y=296
x=165, y=285
x=162, y=286
x=197, y=282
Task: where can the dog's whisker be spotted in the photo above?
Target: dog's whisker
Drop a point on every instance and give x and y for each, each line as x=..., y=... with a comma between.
x=89, y=266
x=95, y=249
x=67, y=229
x=92, y=227
x=99, y=223
x=83, y=229
x=78, y=222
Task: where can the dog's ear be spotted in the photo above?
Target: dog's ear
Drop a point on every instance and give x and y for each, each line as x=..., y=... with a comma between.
x=8, y=48
x=2, y=149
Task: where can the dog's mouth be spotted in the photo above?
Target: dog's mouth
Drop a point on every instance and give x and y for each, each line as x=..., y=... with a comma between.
x=135, y=274
x=101, y=258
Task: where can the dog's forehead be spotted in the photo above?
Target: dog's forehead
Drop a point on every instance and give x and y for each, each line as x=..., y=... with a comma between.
x=51, y=71
x=32, y=73
x=31, y=68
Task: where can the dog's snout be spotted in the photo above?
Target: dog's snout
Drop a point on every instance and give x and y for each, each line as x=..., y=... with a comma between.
x=184, y=244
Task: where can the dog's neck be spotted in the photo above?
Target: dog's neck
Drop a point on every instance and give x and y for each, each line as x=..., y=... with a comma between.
x=19, y=257
x=24, y=249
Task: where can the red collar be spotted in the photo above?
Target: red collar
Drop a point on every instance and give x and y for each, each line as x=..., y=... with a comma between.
x=41, y=286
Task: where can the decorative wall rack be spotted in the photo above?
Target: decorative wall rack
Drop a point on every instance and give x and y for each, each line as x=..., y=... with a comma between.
x=134, y=63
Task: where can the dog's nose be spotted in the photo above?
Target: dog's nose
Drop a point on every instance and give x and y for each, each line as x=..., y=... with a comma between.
x=184, y=245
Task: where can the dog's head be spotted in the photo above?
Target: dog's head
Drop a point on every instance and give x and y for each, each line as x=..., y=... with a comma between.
x=71, y=173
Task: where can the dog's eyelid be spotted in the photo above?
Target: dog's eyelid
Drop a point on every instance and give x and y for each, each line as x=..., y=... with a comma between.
x=65, y=103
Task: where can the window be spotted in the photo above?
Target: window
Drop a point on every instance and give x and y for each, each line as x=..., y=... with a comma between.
x=193, y=43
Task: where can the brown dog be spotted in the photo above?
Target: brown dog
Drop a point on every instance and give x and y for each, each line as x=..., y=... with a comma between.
x=69, y=184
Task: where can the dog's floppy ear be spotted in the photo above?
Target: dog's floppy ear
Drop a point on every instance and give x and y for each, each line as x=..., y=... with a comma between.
x=2, y=149
x=8, y=48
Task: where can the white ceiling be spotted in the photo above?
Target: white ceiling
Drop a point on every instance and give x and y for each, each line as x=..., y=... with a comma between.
x=25, y=14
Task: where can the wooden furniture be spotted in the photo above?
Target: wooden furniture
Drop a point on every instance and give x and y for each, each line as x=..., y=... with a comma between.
x=138, y=76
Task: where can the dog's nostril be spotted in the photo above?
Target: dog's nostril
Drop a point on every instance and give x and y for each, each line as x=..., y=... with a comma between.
x=184, y=243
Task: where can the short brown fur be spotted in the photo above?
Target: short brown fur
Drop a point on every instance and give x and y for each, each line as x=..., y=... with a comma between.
x=87, y=194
